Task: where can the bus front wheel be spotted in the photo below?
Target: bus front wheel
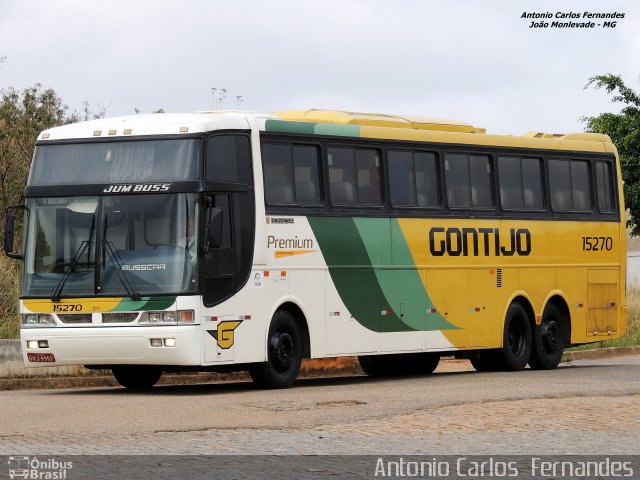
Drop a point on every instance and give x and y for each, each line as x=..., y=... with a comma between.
x=548, y=341
x=284, y=354
x=137, y=378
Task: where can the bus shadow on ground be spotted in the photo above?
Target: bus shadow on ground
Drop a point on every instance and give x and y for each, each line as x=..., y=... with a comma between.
x=239, y=386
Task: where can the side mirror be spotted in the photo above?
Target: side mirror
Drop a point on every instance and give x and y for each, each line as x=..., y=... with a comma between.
x=9, y=232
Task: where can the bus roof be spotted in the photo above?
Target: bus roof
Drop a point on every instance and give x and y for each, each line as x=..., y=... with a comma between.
x=150, y=124
x=326, y=122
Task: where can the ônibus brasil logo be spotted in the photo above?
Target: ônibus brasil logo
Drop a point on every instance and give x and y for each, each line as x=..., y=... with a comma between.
x=34, y=468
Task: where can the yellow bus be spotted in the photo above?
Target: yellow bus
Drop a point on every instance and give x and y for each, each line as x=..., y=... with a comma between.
x=241, y=241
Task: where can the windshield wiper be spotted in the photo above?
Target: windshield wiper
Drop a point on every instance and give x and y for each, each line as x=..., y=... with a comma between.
x=57, y=292
x=114, y=255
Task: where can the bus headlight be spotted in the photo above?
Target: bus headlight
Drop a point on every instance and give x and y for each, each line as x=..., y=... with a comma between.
x=158, y=318
x=37, y=320
x=180, y=317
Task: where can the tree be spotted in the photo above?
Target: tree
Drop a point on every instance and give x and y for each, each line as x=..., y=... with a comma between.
x=23, y=115
x=624, y=130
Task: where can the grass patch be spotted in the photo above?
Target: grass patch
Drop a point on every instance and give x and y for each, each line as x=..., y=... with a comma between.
x=632, y=336
x=9, y=286
x=10, y=328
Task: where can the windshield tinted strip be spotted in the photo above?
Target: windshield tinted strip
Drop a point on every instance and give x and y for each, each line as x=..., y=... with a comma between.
x=117, y=162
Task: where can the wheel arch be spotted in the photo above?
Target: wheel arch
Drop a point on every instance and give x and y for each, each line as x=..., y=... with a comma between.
x=525, y=301
x=292, y=306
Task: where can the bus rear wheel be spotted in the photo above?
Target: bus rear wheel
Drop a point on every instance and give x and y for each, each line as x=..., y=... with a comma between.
x=486, y=361
x=399, y=364
x=548, y=341
x=517, y=340
x=284, y=354
x=137, y=378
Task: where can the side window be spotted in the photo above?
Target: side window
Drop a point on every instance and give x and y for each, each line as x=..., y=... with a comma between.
x=368, y=172
x=342, y=176
x=520, y=183
x=532, y=184
x=306, y=174
x=291, y=174
x=569, y=185
x=354, y=176
x=604, y=185
x=468, y=181
x=278, y=173
x=228, y=159
x=413, y=179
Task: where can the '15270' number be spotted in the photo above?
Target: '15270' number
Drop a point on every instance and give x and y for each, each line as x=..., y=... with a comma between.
x=67, y=307
x=596, y=244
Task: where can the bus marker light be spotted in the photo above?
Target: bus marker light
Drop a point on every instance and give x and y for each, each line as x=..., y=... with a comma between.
x=538, y=319
x=156, y=342
x=112, y=132
x=283, y=273
x=245, y=317
x=169, y=342
x=334, y=314
x=266, y=273
x=579, y=305
x=127, y=131
x=214, y=319
x=475, y=309
x=612, y=305
x=184, y=129
x=97, y=133
x=186, y=316
x=45, y=136
x=386, y=312
x=32, y=343
x=432, y=310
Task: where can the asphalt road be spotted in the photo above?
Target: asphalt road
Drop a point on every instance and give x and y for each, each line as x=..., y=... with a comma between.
x=584, y=407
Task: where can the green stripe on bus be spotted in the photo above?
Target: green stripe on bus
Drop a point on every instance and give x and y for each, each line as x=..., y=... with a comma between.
x=312, y=128
x=409, y=290
x=400, y=281
x=340, y=130
x=352, y=274
x=145, y=303
x=290, y=127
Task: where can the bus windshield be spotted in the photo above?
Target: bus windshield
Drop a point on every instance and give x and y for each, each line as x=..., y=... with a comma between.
x=114, y=246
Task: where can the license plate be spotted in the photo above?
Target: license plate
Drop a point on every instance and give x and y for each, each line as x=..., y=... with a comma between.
x=41, y=357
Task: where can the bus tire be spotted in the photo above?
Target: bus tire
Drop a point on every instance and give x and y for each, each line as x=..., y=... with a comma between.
x=137, y=378
x=376, y=365
x=418, y=363
x=548, y=340
x=486, y=361
x=284, y=354
x=517, y=340
x=399, y=364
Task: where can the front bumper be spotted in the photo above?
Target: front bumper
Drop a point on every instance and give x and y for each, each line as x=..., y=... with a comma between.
x=112, y=346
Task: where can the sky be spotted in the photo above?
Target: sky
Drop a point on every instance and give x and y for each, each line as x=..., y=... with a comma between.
x=471, y=60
